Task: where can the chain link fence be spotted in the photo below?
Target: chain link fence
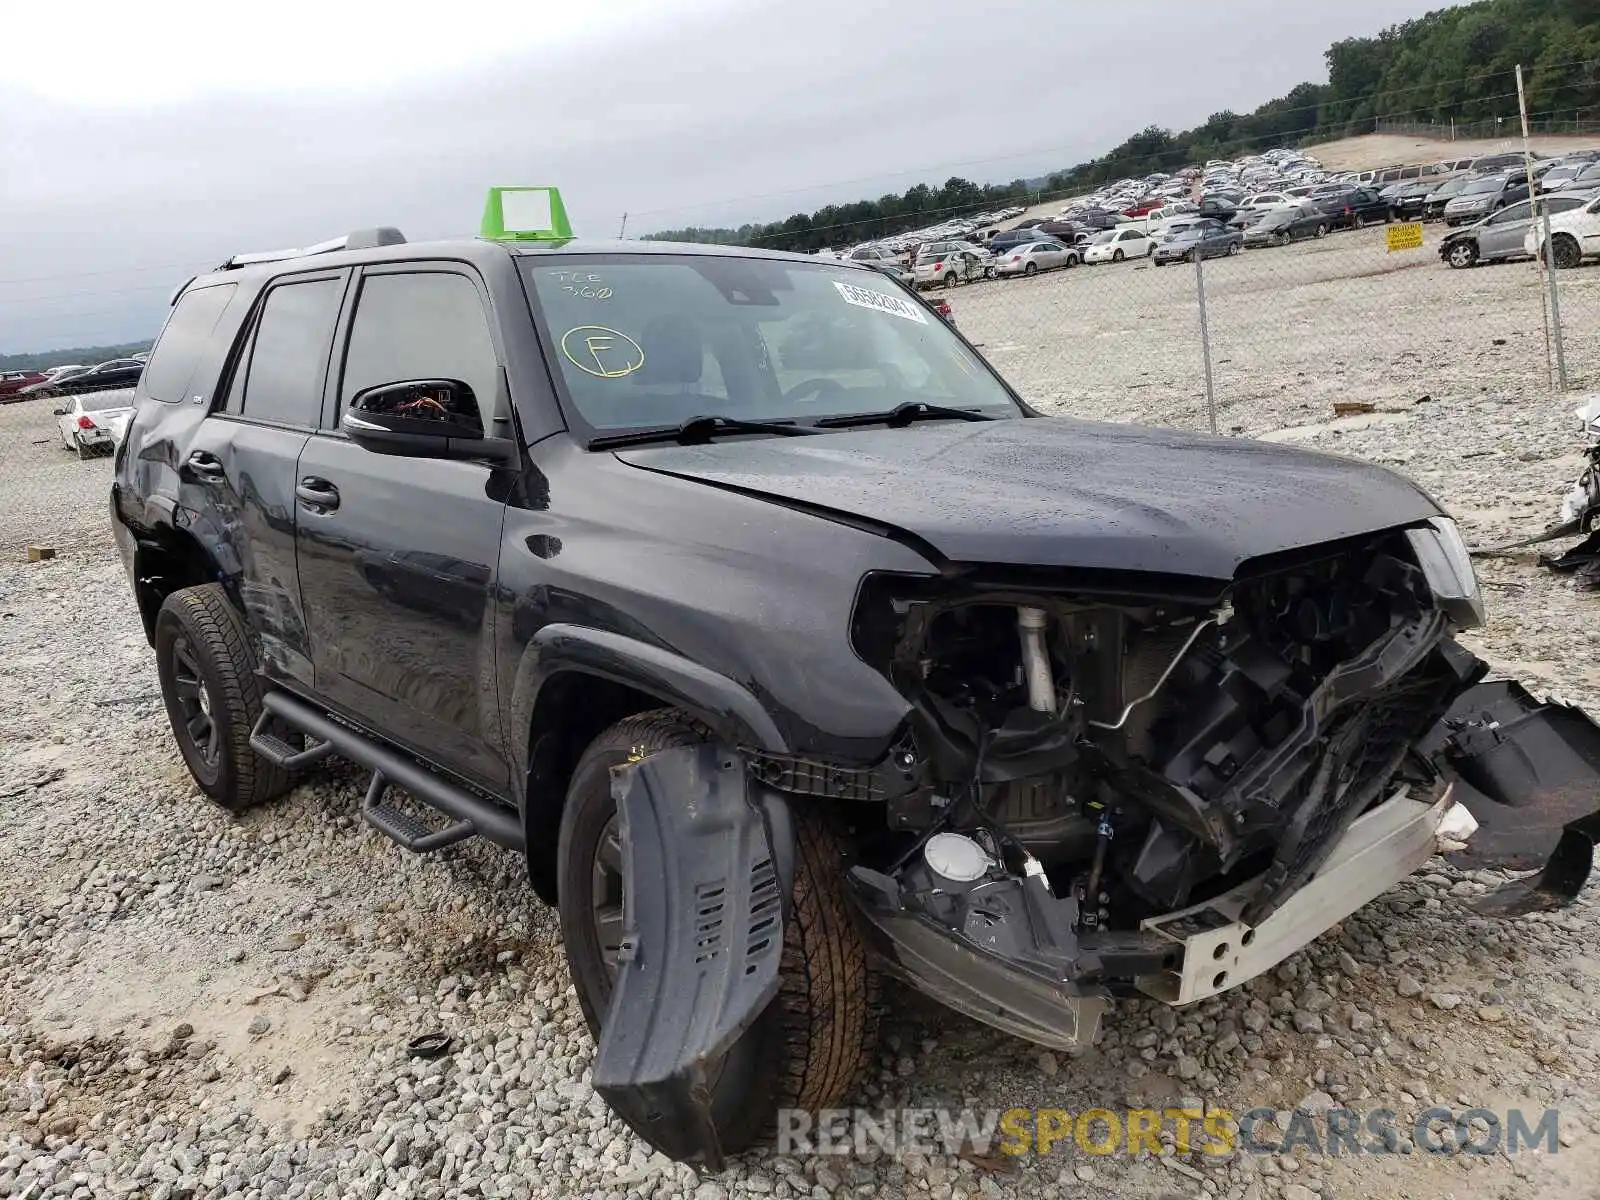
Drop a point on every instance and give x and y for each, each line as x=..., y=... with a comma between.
x=1336, y=323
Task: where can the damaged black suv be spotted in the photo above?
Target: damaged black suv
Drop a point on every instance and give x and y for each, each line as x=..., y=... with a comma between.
x=738, y=593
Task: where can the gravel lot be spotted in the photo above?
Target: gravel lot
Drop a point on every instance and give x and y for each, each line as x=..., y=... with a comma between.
x=203, y=1005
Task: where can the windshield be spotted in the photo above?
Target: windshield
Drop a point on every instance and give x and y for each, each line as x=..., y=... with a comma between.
x=651, y=340
x=1479, y=186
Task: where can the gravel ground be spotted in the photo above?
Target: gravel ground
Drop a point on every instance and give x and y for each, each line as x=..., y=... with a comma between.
x=197, y=1004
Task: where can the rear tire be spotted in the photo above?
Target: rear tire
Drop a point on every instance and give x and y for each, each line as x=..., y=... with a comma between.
x=1234, y=248
x=1322, y=230
x=1031, y=269
x=83, y=451
x=809, y=1045
x=213, y=696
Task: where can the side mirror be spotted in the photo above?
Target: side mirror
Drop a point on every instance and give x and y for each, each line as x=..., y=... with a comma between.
x=421, y=418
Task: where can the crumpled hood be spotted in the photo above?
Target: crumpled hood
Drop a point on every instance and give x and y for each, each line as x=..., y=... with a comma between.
x=1063, y=493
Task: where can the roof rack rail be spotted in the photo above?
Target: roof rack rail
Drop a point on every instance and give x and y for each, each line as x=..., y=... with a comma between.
x=361, y=239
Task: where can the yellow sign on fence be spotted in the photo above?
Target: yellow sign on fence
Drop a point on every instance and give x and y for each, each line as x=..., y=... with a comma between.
x=1405, y=237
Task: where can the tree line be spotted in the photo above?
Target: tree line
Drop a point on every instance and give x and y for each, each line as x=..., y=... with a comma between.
x=1453, y=64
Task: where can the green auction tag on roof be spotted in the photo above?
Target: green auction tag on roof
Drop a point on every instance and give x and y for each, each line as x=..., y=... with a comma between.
x=525, y=214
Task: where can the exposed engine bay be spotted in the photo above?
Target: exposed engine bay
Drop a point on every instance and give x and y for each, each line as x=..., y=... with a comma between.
x=1082, y=766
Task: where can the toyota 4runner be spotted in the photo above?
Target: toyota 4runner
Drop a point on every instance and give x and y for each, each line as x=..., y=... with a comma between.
x=742, y=597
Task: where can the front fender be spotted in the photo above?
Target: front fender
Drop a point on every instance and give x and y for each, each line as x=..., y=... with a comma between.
x=725, y=707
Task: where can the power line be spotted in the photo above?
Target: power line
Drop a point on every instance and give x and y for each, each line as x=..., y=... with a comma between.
x=153, y=287
x=188, y=266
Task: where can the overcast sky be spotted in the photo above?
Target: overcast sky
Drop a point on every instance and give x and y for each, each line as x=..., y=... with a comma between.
x=142, y=142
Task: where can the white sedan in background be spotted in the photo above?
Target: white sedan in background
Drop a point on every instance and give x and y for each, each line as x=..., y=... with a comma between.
x=1267, y=201
x=85, y=421
x=1114, y=245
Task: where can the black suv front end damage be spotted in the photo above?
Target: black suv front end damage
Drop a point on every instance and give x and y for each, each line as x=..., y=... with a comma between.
x=1113, y=786
x=1092, y=773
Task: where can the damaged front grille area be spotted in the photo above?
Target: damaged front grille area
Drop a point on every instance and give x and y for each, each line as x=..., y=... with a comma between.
x=1358, y=759
x=1112, y=755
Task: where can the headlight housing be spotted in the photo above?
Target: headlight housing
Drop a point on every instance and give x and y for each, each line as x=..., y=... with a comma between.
x=1446, y=564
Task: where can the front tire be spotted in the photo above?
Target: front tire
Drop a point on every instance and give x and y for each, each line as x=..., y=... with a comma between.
x=808, y=1046
x=1463, y=254
x=1116, y=256
x=213, y=696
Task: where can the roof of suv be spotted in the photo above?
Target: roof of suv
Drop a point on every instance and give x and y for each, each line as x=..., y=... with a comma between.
x=473, y=249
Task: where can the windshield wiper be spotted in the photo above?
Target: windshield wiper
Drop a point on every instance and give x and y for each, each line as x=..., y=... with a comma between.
x=698, y=430
x=903, y=414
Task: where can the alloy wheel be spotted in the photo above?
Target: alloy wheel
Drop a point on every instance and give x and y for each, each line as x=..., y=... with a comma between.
x=195, y=702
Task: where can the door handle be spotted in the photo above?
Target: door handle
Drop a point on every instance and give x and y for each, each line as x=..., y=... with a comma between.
x=317, y=494
x=205, y=466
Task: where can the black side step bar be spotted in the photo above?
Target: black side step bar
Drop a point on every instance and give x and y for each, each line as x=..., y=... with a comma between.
x=494, y=821
x=403, y=829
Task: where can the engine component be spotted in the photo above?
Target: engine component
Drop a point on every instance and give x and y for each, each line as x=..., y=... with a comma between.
x=957, y=862
x=1032, y=623
x=1177, y=658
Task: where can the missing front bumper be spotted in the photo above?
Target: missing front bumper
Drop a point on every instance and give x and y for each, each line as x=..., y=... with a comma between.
x=1219, y=951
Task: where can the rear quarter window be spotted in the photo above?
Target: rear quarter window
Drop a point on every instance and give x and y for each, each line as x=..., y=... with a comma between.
x=183, y=340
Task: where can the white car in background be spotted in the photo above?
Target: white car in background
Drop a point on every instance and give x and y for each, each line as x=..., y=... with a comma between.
x=947, y=267
x=1574, y=235
x=85, y=421
x=1267, y=201
x=1114, y=245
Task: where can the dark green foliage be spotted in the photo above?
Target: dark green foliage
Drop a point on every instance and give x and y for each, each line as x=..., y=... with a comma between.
x=1455, y=64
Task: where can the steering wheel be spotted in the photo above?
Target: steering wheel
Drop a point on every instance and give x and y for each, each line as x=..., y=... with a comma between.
x=819, y=384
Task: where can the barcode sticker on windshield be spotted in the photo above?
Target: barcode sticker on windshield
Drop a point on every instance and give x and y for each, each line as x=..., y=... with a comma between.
x=895, y=306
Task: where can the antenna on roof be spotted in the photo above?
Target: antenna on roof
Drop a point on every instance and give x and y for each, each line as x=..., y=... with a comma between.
x=361, y=239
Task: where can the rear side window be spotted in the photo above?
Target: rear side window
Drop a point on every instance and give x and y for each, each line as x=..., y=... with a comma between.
x=172, y=362
x=283, y=380
x=421, y=325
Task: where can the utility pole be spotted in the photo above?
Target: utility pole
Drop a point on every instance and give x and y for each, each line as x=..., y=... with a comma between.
x=623, y=232
x=1547, y=260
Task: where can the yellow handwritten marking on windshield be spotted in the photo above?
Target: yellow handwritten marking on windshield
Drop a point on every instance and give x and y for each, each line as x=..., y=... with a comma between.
x=602, y=352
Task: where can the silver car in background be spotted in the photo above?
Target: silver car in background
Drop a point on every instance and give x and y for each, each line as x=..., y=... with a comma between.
x=1033, y=257
x=1500, y=235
